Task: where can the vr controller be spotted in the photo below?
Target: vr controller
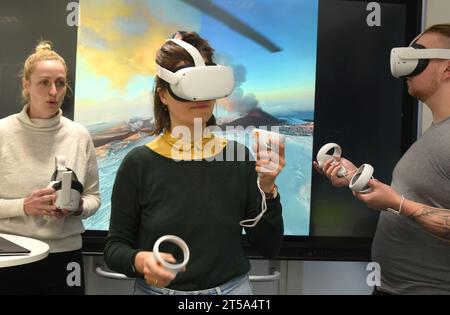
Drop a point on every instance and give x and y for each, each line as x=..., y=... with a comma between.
x=323, y=156
x=177, y=241
x=65, y=182
x=359, y=181
x=265, y=143
x=268, y=141
x=264, y=139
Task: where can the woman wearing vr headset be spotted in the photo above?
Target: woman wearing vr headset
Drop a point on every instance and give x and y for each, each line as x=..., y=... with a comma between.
x=177, y=186
x=412, y=241
x=29, y=143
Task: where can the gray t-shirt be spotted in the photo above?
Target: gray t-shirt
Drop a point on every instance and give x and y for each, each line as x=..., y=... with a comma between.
x=412, y=260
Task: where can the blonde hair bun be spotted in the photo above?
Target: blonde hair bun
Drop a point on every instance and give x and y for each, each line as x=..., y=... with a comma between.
x=44, y=46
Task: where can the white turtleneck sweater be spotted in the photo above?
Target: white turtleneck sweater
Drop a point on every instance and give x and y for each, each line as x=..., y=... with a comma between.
x=27, y=161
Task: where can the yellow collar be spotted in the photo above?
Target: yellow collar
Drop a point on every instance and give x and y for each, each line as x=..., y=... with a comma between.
x=176, y=148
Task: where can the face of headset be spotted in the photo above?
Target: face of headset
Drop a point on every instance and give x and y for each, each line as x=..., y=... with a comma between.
x=192, y=89
x=407, y=62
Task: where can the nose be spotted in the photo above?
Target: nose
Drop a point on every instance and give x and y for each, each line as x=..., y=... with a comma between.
x=52, y=90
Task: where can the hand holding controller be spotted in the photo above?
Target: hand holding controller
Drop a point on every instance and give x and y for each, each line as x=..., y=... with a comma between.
x=360, y=179
x=269, y=148
x=268, y=140
x=323, y=156
x=270, y=160
x=175, y=268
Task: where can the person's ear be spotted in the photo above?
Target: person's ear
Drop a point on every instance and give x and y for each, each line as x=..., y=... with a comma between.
x=446, y=73
x=162, y=95
x=25, y=84
x=26, y=87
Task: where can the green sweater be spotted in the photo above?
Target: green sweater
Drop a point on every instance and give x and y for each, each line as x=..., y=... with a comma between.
x=202, y=202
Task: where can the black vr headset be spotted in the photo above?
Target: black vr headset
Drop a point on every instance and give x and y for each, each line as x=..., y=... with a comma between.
x=65, y=182
x=199, y=82
x=413, y=60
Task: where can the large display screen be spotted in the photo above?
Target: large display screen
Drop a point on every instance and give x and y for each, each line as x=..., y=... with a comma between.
x=274, y=62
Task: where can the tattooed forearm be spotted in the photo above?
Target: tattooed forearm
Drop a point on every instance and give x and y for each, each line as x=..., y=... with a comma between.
x=435, y=221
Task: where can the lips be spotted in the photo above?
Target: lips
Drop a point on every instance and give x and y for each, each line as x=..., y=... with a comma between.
x=200, y=107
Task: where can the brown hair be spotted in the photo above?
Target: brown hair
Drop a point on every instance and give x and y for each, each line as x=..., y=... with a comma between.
x=168, y=57
x=43, y=51
x=442, y=29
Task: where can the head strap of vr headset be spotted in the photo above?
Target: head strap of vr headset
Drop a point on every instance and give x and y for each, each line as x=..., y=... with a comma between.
x=427, y=53
x=198, y=59
x=60, y=167
x=168, y=75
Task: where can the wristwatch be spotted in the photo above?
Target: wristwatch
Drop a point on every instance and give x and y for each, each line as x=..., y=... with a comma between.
x=273, y=194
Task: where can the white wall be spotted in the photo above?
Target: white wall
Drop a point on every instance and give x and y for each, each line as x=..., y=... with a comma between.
x=337, y=278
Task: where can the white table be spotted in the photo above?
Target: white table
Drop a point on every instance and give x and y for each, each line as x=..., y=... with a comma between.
x=39, y=250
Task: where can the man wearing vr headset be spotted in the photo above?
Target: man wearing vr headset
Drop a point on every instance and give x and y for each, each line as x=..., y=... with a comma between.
x=199, y=199
x=412, y=241
x=29, y=142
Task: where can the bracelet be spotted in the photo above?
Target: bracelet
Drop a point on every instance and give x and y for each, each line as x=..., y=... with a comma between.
x=401, y=205
x=397, y=212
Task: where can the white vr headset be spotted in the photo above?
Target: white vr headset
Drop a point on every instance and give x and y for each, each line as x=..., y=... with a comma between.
x=65, y=182
x=199, y=82
x=411, y=61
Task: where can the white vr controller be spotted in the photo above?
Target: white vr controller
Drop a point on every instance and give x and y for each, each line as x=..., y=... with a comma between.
x=177, y=241
x=264, y=138
x=323, y=156
x=66, y=185
x=359, y=181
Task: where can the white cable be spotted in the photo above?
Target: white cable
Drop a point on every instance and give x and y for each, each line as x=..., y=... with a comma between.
x=264, y=143
x=254, y=221
x=177, y=241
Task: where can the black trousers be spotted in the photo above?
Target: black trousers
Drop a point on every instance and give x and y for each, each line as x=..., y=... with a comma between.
x=59, y=273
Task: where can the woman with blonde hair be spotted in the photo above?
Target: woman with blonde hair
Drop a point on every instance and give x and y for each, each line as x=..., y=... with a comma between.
x=30, y=141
